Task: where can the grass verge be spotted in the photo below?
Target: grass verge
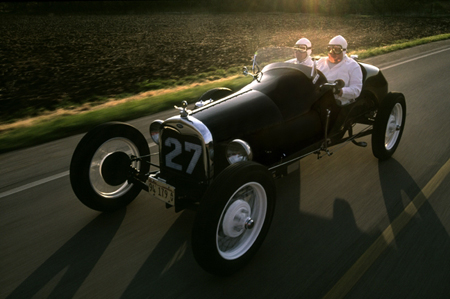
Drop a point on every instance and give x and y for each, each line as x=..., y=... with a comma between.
x=66, y=125
x=400, y=45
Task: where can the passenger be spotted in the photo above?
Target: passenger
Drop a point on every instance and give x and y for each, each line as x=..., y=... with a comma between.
x=339, y=66
x=302, y=52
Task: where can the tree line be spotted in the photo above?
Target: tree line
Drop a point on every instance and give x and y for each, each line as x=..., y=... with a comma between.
x=328, y=7
x=333, y=7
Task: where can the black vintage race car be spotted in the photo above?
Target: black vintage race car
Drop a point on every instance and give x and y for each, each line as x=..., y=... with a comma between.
x=221, y=159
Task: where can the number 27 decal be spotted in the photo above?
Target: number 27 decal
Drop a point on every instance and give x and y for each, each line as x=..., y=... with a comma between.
x=189, y=147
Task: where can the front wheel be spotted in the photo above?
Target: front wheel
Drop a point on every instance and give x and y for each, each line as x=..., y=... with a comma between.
x=233, y=218
x=103, y=162
x=389, y=126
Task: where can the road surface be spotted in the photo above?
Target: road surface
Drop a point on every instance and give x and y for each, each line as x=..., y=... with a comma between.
x=344, y=226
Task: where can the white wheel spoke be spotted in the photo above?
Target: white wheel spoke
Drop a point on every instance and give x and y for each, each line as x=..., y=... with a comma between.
x=98, y=183
x=393, y=126
x=241, y=221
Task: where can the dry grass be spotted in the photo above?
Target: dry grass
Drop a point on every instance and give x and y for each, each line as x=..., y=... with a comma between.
x=111, y=102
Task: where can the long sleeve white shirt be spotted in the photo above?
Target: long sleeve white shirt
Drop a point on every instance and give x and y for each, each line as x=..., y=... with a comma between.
x=347, y=70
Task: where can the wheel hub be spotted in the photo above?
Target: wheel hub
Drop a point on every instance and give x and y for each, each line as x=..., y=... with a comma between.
x=393, y=126
x=115, y=168
x=237, y=219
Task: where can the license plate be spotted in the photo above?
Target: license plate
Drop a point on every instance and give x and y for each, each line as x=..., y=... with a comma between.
x=161, y=190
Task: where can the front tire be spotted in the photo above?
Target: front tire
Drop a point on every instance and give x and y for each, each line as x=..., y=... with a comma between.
x=389, y=125
x=102, y=163
x=233, y=218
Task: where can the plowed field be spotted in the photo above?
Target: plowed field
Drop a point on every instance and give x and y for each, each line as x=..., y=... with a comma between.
x=52, y=61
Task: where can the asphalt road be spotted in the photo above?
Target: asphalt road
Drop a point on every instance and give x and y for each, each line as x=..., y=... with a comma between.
x=344, y=225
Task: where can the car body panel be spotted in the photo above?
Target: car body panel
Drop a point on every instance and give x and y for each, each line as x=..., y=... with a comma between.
x=284, y=112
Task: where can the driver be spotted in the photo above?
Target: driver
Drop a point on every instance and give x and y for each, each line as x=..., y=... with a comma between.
x=302, y=52
x=339, y=66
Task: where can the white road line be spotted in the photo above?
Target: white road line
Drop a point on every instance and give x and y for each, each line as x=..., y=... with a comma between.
x=63, y=174
x=43, y=181
x=413, y=59
x=34, y=184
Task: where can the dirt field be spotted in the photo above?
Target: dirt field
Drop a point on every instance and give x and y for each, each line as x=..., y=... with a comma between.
x=52, y=61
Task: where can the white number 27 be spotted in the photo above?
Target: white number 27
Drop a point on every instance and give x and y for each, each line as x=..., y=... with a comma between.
x=189, y=147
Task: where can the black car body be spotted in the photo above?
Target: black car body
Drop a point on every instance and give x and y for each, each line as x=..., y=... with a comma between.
x=280, y=117
x=221, y=158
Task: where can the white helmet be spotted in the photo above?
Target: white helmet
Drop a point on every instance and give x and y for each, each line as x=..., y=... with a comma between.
x=339, y=41
x=307, y=43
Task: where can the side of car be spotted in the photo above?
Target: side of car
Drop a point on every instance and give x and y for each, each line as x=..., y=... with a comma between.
x=221, y=159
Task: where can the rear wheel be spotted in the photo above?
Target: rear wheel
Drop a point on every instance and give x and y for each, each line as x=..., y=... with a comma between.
x=102, y=163
x=389, y=126
x=233, y=218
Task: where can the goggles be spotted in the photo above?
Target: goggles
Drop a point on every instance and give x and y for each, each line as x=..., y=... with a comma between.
x=335, y=49
x=301, y=48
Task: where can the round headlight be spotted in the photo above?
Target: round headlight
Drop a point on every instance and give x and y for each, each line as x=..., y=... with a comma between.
x=154, y=130
x=239, y=150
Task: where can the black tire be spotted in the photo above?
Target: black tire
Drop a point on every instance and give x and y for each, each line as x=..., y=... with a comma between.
x=101, y=164
x=224, y=238
x=215, y=94
x=389, y=125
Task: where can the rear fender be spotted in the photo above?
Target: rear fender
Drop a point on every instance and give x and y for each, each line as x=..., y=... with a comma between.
x=375, y=86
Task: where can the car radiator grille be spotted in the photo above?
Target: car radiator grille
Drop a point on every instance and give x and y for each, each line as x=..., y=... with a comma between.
x=182, y=156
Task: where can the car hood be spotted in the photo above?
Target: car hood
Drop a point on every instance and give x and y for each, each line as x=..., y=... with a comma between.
x=283, y=92
x=239, y=114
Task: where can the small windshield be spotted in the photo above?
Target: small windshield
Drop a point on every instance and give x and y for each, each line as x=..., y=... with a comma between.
x=268, y=55
x=271, y=55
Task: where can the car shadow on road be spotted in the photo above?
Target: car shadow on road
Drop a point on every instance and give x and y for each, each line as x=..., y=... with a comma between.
x=75, y=259
x=417, y=264
x=303, y=255
x=300, y=248
x=306, y=255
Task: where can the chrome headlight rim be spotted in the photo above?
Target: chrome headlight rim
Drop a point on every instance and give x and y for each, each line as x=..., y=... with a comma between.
x=154, y=129
x=238, y=150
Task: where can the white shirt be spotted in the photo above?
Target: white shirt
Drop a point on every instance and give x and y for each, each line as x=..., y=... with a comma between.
x=347, y=70
x=307, y=61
